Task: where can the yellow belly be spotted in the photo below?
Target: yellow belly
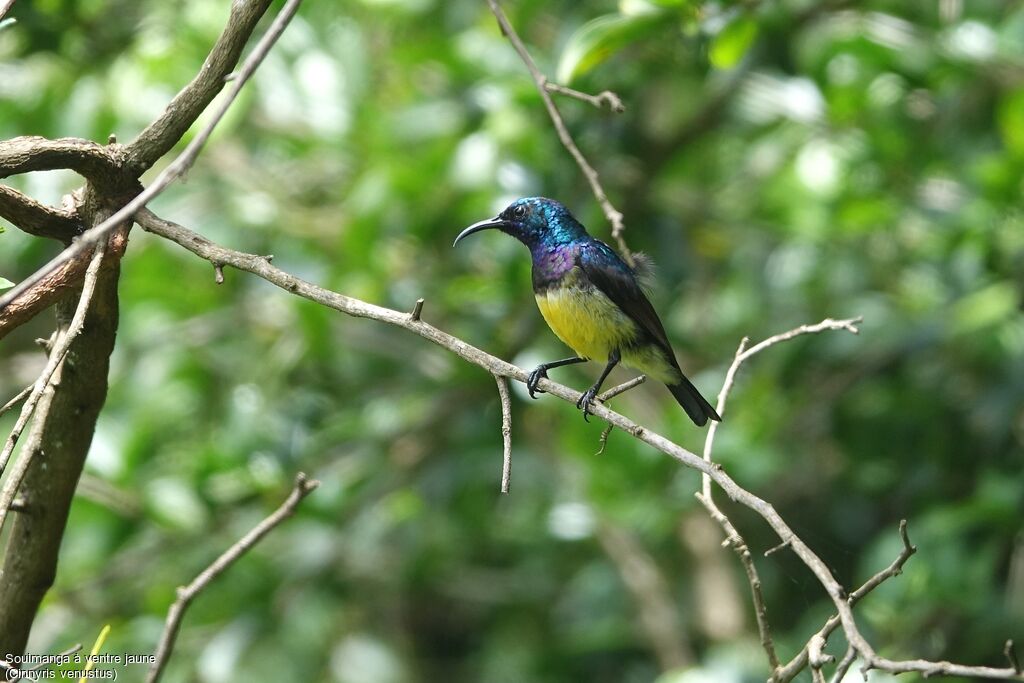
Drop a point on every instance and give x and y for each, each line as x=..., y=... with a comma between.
x=592, y=325
x=586, y=320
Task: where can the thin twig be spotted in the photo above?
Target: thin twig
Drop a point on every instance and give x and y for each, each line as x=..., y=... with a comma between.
x=417, y=310
x=259, y=266
x=4, y=6
x=723, y=396
x=622, y=388
x=15, y=401
x=60, y=655
x=796, y=665
x=732, y=535
x=186, y=594
x=60, y=349
x=844, y=665
x=506, y=431
x=743, y=353
x=602, y=441
x=1011, y=655
x=757, y=597
x=613, y=215
x=172, y=172
x=601, y=99
x=849, y=324
x=894, y=569
x=607, y=396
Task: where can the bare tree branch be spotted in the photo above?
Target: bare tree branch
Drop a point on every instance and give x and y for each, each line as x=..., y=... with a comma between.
x=258, y=265
x=622, y=388
x=1011, y=655
x=162, y=134
x=173, y=171
x=37, y=219
x=56, y=443
x=62, y=430
x=417, y=309
x=613, y=215
x=60, y=349
x=928, y=669
x=506, y=432
x=15, y=401
x=186, y=594
x=850, y=325
x=732, y=535
x=816, y=657
x=797, y=664
x=602, y=441
x=844, y=665
x=894, y=569
x=600, y=100
x=743, y=551
x=33, y=153
x=54, y=287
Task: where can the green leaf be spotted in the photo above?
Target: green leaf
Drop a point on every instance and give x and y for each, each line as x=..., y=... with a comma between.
x=729, y=46
x=600, y=38
x=5, y=283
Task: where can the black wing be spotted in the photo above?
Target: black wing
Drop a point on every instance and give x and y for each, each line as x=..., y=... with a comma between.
x=613, y=277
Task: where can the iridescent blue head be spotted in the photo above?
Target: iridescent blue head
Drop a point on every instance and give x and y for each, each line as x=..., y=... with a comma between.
x=537, y=222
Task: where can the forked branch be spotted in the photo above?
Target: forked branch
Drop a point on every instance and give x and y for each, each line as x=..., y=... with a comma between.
x=186, y=594
x=172, y=172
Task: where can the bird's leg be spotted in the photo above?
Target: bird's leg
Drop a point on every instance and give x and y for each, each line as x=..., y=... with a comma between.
x=541, y=372
x=588, y=396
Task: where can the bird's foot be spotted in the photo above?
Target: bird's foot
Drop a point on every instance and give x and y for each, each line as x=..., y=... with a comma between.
x=540, y=372
x=587, y=400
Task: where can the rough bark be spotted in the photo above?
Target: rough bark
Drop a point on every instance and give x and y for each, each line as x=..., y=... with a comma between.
x=60, y=435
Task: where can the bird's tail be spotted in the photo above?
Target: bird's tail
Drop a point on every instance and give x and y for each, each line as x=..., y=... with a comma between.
x=693, y=403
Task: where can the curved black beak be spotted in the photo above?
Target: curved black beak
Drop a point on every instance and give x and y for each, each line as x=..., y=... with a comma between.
x=496, y=222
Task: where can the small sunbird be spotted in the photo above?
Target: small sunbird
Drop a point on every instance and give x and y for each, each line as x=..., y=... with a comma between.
x=591, y=300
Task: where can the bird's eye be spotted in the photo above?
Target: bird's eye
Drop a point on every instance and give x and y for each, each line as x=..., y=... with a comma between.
x=519, y=211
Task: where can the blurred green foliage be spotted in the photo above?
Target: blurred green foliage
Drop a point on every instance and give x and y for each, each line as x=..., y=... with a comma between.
x=784, y=162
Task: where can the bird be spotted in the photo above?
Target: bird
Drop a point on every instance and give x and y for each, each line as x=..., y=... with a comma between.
x=592, y=300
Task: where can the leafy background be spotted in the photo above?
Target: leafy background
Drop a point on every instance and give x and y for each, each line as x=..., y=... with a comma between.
x=783, y=162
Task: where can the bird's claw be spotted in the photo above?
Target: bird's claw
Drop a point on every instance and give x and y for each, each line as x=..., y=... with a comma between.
x=586, y=400
x=539, y=373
